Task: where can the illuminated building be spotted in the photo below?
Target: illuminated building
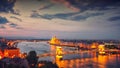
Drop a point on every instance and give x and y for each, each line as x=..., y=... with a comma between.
x=12, y=52
x=59, y=50
x=8, y=49
x=94, y=45
x=1, y=54
x=107, y=49
x=101, y=49
x=54, y=41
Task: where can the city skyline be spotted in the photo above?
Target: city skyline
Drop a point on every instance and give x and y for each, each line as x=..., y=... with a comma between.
x=67, y=19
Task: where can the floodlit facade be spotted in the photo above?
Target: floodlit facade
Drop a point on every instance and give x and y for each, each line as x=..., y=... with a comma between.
x=54, y=41
x=11, y=53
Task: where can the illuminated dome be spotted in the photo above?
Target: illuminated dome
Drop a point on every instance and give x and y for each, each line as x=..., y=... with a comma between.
x=54, y=40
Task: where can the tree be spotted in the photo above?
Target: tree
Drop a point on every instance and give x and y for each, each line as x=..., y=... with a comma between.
x=32, y=59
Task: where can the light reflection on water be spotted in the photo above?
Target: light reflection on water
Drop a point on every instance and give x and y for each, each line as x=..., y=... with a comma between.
x=87, y=60
x=81, y=60
x=107, y=61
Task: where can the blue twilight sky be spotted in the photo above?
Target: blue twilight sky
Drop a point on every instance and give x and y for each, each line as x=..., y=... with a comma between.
x=67, y=19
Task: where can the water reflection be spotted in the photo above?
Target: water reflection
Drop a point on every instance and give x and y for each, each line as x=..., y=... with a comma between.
x=85, y=59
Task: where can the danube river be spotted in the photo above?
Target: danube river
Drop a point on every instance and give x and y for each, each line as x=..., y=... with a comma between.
x=106, y=61
x=78, y=59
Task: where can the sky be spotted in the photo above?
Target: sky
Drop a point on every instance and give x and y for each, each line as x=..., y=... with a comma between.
x=66, y=19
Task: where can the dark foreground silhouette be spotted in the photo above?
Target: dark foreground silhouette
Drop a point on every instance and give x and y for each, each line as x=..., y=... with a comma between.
x=30, y=61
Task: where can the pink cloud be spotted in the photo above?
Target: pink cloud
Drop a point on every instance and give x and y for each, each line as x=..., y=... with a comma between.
x=67, y=4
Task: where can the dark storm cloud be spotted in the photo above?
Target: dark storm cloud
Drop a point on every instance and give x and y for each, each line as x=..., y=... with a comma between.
x=116, y=18
x=7, y=5
x=3, y=20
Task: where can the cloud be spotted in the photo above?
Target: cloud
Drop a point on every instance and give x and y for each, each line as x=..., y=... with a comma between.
x=3, y=20
x=116, y=18
x=2, y=27
x=97, y=6
x=67, y=4
x=19, y=27
x=16, y=13
x=42, y=7
x=49, y=17
x=84, y=17
x=67, y=16
x=13, y=25
x=16, y=18
x=7, y=5
x=83, y=5
x=37, y=15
